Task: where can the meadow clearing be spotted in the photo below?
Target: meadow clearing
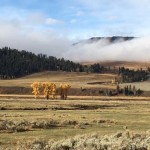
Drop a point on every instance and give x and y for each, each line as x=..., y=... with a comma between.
x=24, y=119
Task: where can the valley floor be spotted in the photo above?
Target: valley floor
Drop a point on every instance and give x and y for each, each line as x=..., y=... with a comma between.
x=25, y=119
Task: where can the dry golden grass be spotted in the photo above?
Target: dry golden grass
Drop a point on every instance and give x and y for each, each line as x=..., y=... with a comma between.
x=145, y=86
x=72, y=117
x=76, y=80
x=77, y=115
x=127, y=64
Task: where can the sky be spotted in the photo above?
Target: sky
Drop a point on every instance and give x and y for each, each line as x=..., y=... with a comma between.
x=51, y=26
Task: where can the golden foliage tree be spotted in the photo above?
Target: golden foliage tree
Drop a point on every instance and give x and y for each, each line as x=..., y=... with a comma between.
x=49, y=90
x=64, y=90
x=36, y=89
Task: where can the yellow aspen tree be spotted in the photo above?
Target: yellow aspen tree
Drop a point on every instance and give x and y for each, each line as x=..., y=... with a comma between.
x=53, y=91
x=47, y=89
x=64, y=90
x=36, y=89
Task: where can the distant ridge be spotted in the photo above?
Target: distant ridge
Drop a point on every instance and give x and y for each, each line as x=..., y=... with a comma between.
x=113, y=39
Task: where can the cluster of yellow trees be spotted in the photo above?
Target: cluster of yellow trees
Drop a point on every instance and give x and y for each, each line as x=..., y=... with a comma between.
x=49, y=90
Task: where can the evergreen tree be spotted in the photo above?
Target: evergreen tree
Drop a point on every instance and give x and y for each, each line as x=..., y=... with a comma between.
x=14, y=63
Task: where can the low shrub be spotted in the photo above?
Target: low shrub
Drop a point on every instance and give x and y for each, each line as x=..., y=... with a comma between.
x=119, y=141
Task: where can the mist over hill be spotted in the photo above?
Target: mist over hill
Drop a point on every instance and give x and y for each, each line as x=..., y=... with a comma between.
x=94, y=49
x=114, y=48
x=113, y=39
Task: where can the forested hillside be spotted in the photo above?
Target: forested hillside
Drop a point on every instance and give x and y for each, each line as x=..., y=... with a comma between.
x=14, y=63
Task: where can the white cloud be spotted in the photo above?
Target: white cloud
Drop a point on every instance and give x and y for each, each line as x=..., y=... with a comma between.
x=38, y=18
x=35, y=18
x=33, y=31
x=38, y=41
x=52, y=21
x=53, y=43
x=134, y=50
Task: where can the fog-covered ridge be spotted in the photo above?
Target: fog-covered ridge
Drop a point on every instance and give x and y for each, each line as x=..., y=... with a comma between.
x=112, y=39
x=114, y=48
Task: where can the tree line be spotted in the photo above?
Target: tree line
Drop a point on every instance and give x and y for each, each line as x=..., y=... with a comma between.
x=127, y=90
x=15, y=63
x=128, y=75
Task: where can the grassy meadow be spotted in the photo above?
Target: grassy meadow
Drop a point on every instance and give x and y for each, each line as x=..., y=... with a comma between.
x=76, y=80
x=24, y=119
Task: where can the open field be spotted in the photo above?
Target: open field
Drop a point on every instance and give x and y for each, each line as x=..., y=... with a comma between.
x=81, y=83
x=127, y=64
x=24, y=119
x=76, y=80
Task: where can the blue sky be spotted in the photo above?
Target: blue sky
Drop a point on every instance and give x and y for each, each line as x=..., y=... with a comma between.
x=81, y=18
x=39, y=25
